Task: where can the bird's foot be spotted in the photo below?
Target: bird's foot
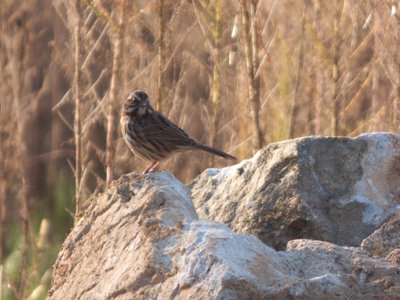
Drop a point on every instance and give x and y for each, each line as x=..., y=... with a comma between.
x=150, y=169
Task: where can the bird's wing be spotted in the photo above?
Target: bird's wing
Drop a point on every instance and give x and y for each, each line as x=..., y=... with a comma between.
x=160, y=128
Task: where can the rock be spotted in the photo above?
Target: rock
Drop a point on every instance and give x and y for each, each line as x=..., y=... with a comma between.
x=333, y=189
x=123, y=241
x=394, y=256
x=336, y=272
x=385, y=240
x=144, y=241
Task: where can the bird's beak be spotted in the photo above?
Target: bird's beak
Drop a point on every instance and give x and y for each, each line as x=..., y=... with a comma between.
x=144, y=103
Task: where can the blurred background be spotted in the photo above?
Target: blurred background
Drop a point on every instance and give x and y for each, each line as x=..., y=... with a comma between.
x=236, y=75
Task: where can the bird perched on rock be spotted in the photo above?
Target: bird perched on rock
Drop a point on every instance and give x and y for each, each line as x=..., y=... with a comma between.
x=152, y=136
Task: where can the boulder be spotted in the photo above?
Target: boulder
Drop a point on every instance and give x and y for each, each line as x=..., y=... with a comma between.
x=143, y=240
x=385, y=241
x=329, y=271
x=336, y=189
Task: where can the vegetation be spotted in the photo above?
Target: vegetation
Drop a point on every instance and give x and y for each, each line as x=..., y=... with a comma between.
x=235, y=74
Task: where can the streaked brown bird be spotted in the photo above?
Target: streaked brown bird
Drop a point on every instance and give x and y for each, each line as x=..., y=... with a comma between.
x=152, y=136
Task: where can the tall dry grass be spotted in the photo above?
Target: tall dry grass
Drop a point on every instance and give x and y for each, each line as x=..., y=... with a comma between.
x=236, y=75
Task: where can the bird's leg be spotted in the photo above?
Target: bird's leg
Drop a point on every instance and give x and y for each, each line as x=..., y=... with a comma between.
x=152, y=167
x=149, y=169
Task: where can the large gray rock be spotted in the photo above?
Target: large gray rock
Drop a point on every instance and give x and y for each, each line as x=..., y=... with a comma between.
x=385, y=241
x=144, y=241
x=332, y=189
x=336, y=272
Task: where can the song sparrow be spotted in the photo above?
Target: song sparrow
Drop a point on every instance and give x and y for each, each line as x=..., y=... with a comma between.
x=152, y=136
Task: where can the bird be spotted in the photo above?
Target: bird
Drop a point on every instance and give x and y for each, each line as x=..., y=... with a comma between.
x=151, y=136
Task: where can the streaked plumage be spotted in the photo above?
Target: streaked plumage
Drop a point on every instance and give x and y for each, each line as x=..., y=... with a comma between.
x=151, y=135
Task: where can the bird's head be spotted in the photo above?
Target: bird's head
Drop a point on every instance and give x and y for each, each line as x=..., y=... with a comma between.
x=137, y=103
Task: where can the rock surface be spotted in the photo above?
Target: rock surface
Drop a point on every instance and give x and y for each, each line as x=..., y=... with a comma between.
x=333, y=189
x=385, y=241
x=144, y=241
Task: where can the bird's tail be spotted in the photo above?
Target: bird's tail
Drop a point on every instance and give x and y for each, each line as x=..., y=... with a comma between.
x=214, y=151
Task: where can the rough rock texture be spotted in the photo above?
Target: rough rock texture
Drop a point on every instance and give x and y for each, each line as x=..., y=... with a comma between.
x=332, y=189
x=144, y=241
x=337, y=272
x=385, y=241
